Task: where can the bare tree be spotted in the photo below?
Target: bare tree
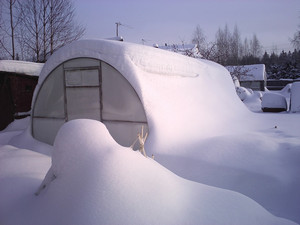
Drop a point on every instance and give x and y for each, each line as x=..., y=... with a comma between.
x=235, y=46
x=62, y=27
x=31, y=12
x=245, y=50
x=46, y=26
x=296, y=39
x=239, y=72
x=2, y=36
x=206, y=49
x=255, y=46
x=223, y=45
x=8, y=26
x=199, y=38
x=45, y=19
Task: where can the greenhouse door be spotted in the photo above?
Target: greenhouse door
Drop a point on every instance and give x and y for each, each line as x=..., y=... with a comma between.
x=82, y=94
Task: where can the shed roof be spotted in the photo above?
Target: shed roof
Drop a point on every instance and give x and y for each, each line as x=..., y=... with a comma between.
x=21, y=67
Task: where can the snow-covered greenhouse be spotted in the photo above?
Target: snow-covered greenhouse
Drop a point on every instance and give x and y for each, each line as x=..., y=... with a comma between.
x=128, y=86
x=76, y=83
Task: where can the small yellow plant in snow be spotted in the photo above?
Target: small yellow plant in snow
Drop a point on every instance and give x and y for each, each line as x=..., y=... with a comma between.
x=141, y=138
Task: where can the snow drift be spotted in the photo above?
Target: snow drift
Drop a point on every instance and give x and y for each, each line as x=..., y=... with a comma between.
x=99, y=182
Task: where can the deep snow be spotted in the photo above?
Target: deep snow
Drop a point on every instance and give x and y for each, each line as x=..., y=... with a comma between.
x=96, y=181
x=199, y=130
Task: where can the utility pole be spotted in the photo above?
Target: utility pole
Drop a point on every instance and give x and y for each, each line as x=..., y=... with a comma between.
x=117, y=28
x=120, y=24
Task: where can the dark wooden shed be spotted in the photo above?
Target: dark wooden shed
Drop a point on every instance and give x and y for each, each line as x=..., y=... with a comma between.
x=17, y=83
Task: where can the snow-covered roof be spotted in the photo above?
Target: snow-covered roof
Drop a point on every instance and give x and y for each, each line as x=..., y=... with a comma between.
x=21, y=67
x=253, y=72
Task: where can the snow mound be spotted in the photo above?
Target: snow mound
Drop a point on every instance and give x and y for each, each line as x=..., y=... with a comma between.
x=243, y=92
x=252, y=99
x=96, y=181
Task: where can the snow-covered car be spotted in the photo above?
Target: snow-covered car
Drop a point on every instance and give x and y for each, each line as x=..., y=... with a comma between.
x=295, y=97
x=273, y=102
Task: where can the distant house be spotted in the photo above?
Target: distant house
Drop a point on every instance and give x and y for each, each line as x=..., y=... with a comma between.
x=250, y=76
x=17, y=83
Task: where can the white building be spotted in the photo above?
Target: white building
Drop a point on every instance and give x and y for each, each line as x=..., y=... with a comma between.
x=250, y=76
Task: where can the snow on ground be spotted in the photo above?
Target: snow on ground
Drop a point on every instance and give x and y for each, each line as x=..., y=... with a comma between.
x=262, y=164
x=96, y=181
x=18, y=135
x=199, y=129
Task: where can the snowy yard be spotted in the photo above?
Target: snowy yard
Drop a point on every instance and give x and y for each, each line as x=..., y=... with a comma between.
x=215, y=161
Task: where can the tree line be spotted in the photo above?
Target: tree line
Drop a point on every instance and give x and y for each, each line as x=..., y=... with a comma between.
x=285, y=65
x=229, y=49
x=32, y=30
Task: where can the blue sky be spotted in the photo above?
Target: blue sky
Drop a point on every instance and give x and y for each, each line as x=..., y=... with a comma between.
x=174, y=21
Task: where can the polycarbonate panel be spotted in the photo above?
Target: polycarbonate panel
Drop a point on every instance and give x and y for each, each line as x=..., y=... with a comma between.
x=50, y=99
x=120, y=101
x=45, y=129
x=125, y=133
x=81, y=62
x=86, y=77
x=83, y=103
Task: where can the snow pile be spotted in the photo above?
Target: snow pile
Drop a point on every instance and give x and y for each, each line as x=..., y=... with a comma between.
x=21, y=67
x=252, y=99
x=273, y=102
x=295, y=97
x=13, y=129
x=96, y=181
x=17, y=134
x=243, y=93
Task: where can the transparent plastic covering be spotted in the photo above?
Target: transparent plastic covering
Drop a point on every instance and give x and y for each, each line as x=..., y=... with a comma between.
x=83, y=103
x=50, y=99
x=120, y=101
x=45, y=129
x=85, y=77
x=90, y=89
